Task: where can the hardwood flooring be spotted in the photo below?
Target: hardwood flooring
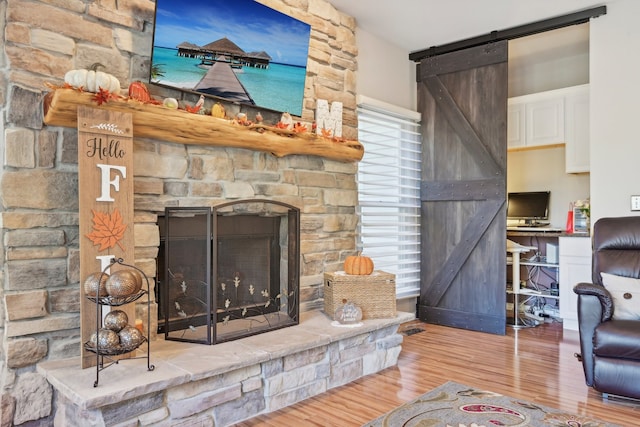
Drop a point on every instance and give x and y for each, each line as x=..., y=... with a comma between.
x=536, y=364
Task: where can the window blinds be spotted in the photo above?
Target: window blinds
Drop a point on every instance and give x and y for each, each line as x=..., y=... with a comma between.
x=389, y=192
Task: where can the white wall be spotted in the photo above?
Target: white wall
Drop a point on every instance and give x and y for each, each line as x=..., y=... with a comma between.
x=550, y=60
x=563, y=72
x=615, y=109
x=385, y=72
x=544, y=169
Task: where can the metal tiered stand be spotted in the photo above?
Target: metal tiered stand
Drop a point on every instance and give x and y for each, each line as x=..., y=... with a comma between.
x=105, y=354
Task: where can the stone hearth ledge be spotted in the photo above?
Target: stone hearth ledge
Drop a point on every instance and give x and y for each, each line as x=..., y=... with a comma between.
x=178, y=363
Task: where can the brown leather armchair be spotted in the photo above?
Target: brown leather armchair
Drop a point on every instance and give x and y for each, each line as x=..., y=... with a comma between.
x=610, y=347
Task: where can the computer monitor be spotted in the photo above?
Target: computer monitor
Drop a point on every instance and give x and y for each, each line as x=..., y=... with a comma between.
x=531, y=207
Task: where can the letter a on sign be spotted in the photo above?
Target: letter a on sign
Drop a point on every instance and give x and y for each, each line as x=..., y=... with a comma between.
x=105, y=192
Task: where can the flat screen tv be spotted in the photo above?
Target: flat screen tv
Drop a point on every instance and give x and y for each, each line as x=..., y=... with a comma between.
x=531, y=207
x=237, y=50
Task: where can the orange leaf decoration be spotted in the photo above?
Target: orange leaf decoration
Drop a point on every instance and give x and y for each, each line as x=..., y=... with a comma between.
x=299, y=127
x=193, y=109
x=103, y=96
x=108, y=229
x=326, y=133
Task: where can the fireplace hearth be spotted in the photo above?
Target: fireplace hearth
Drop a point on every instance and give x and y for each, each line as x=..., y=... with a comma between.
x=229, y=271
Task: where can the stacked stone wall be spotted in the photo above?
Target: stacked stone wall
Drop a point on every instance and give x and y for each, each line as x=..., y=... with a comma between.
x=40, y=287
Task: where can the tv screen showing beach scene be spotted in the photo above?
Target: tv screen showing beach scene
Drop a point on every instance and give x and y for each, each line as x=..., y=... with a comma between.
x=238, y=50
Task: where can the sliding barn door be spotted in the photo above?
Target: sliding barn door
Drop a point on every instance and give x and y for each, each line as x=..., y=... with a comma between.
x=462, y=97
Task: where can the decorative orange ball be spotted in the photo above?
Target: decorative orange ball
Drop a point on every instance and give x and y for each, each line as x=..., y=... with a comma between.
x=358, y=265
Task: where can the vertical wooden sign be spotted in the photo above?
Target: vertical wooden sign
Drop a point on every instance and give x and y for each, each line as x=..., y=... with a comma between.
x=105, y=191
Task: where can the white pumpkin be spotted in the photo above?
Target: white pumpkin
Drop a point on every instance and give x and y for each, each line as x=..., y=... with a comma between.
x=76, y=78
x=108, y=82
x=170, y=103
x=92, y=81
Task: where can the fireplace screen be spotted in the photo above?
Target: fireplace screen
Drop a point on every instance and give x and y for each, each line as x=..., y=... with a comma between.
x=228, y=272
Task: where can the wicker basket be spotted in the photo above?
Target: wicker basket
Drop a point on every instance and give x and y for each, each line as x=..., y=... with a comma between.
x=375, y=294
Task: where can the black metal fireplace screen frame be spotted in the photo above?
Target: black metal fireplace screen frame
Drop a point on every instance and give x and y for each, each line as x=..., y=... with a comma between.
x=206, y=296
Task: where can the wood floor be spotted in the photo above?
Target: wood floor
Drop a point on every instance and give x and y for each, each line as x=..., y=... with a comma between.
x=535, y=364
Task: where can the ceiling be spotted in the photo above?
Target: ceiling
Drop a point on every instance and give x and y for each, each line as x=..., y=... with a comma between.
x=415, y=25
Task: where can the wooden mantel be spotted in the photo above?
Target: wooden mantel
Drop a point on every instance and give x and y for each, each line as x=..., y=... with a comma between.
x=157, y=122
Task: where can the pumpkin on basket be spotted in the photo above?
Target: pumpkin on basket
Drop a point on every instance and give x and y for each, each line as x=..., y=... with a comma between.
x=358, y=265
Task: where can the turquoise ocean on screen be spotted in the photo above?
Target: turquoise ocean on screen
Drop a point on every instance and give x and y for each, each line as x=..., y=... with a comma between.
x=280, y=87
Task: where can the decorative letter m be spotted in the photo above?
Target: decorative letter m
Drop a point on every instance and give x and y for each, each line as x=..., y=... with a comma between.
x=329, y=119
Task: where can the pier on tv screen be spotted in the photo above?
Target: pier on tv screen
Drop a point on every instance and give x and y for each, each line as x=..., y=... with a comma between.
x=237, y=50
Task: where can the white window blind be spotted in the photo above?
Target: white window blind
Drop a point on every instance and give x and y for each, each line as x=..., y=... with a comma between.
x=389, y=192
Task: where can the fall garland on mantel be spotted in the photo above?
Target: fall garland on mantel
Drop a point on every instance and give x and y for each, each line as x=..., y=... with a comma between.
x=158, y=122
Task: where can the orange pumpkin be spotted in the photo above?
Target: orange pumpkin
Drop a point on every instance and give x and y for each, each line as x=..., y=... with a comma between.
x=140, y=92
x=358, y=265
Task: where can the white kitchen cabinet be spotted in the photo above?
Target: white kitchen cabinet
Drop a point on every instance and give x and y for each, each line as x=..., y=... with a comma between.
x=575, y=267
x=544, y=121
x=549, y=118
x=577, y=157
x=515, y=125
x=535, y=120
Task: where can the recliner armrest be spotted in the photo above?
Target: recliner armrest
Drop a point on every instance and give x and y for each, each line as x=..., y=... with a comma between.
x=592, y=303
x=603, y=295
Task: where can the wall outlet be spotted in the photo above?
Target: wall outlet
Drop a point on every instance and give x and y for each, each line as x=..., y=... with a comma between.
x=635, y=203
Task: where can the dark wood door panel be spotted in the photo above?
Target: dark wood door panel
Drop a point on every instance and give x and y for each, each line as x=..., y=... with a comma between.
x=468, y=59
x=455, y=118
x=471, y=235
x=462, y=99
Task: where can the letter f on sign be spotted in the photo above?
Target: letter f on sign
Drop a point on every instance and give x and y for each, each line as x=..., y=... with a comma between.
x=105, y=174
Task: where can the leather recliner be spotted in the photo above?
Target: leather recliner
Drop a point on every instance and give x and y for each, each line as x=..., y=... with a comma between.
x=610, y=348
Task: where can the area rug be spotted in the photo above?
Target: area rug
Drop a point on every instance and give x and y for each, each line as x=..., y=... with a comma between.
x=455, y=405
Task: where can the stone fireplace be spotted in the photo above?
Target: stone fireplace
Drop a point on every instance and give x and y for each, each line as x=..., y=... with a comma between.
x=228, y=272
x=39, y=226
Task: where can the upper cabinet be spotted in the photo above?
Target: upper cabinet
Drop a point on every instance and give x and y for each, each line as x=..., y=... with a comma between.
x=576, y=111
x=551, y=118
x=535, y=120
x=515, y=125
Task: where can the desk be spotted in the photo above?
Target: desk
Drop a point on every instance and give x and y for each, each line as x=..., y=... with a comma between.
x=511, y=232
